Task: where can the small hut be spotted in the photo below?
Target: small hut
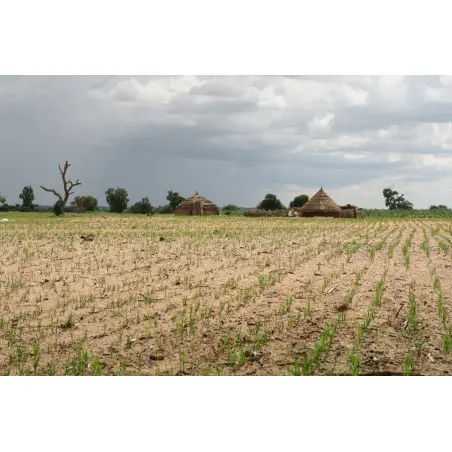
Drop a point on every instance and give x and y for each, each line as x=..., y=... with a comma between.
x=197, y=205
x=349, y=211
x=320, y=205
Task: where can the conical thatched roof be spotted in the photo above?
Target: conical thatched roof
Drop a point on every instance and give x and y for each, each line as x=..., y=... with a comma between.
x=320, y=203
x=207, y=206
x=193, y=198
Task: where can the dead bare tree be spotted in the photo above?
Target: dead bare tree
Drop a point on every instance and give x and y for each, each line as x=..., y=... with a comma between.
x=68, y=185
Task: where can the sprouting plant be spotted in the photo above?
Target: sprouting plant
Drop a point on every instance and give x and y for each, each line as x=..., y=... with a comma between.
x=96, y=367
x=408, y=364
x=69, y=323
x=437, y=283
x=80, y=364
x=182, y=358
x=370, y=314
x=425, y=244
x=35, y=355
x=296, y=371
x=355, y=362
x=413, y=321
x=442, y=310
x=287, y=304
x=378, y=295
x=262, y=282
x=307, y=311
x=448, y=340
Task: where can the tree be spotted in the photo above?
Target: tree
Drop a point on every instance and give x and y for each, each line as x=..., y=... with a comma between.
x=166, y=209
x=228, y=209
x=87, y=202
x=117, y=199
x=394, y=201
x=299, y=201
x=439, y=207
x=3, y=206
x=27, y=196
x=143, y=206
x=68, y=185
x=174, y=199
x=270, y=202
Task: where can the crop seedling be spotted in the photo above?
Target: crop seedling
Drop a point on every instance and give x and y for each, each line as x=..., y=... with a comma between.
x=408, y=364
x=413, y=321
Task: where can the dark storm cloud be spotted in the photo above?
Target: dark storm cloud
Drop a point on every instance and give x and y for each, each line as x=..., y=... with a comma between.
x=233, y=138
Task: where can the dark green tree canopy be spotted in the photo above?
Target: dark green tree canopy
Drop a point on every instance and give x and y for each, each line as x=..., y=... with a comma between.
x=117, y=199
x=270, y=202
x=231, y=207
x=299, y=201
x=27, y=196
x=144, y=206
x=87, y=202
x=174, y=199
x=58, y=208
x=2, y=199
x=394, y=201
x=438, y=207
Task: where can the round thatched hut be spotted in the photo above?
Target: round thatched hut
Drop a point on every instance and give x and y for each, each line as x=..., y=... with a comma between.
x=197, y=205
x=320, y=205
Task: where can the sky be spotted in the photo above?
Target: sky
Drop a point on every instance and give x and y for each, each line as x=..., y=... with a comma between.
x=231, y=138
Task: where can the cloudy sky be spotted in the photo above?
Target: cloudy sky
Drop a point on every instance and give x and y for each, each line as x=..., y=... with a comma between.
x=232, y=138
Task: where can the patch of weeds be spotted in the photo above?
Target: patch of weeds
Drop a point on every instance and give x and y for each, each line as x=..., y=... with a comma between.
x=80, y=364
x=321, y=347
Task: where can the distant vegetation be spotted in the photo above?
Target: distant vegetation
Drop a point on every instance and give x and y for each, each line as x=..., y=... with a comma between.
x=394, y=201
x=117, y=199
x=410, y=213
x=144, y=207
x=86, y=203
x=270, y=202
x=299, y=201
x=118, y=202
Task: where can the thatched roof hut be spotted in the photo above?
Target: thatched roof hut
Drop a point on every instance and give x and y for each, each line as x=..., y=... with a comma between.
x=197, y=205
x=320, y=205
x=349, y=211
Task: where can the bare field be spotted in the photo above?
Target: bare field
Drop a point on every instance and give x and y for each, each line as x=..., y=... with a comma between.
x=224, y=296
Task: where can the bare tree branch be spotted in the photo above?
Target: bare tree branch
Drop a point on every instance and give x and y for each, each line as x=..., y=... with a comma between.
x=52, y=190
x=68, y=185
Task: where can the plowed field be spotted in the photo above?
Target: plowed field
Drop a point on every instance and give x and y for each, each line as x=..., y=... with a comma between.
x=225, y=296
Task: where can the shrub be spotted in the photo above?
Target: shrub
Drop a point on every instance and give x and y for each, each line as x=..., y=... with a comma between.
x=58, y=208
x=141, y=207
x=166, y=209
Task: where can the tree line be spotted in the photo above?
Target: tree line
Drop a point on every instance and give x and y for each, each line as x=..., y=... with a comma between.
x=118, y=200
